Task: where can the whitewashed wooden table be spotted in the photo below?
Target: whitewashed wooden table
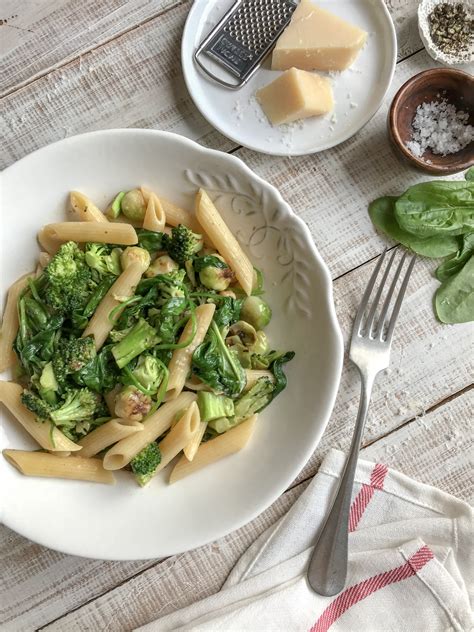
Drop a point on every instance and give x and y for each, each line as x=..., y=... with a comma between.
x=70, y=66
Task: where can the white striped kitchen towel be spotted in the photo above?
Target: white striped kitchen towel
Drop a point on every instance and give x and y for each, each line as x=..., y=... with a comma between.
x=410, y=564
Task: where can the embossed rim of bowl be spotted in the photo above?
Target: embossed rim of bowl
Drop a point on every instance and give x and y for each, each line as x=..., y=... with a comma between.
x=102, y=551
x=394, y=132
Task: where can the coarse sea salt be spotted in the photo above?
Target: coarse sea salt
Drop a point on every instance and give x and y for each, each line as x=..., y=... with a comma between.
x=440, y=127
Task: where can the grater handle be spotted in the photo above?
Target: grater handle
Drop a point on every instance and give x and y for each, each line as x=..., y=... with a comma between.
x=208, y=73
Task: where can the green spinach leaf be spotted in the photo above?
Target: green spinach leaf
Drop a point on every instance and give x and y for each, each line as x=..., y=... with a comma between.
x=454, y=300
x=150, y=240
x=209, y=261
x=437, y=208
x=382, y=214
x=453, y=264
x=469, y=175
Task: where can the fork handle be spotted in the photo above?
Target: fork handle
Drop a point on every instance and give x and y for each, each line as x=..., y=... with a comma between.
x=327, y=569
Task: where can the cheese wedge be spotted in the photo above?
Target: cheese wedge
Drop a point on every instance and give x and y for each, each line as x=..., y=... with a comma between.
x=316, y=39
x=296, y=94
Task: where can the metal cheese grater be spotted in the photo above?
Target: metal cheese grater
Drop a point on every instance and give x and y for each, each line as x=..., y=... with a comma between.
x=244, y=36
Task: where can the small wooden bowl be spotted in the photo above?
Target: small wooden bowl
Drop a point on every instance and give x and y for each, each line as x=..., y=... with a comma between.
x=432, y=85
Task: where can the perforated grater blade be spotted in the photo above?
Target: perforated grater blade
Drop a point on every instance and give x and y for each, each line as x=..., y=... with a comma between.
x=244, y=36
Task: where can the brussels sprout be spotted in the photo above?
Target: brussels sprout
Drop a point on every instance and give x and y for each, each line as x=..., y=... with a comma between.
x=131, y=403
x=162, y=265
x=133, y=205
x=256, y=312
x=260, y=346
x=241, y=332
x=228, y=293
x=134, y=254
x=216, y=277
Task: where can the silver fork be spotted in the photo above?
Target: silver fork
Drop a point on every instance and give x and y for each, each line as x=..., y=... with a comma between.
x=370, y=352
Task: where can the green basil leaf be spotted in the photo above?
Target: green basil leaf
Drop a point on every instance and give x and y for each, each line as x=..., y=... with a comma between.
x=382, y=214
x=454, y=299
x=469, y=175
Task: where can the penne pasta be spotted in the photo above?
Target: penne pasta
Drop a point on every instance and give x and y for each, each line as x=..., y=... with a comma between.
x=47, y=242
x=9, y=327
x=193, y=383
x=110, y=398
x=176, y=215
x=43, y=259
x=153, y=427
x=228, y=443
x=107, y=434
x=61, y=453
x=51, y=466
x=86, y=210
x=224, y=241
x=180, y=363
x=253, y=375
x=47, y=436
x=191, y=448
x=107, y=233
x=180, y=435
x=101, y=324
x=155, y=218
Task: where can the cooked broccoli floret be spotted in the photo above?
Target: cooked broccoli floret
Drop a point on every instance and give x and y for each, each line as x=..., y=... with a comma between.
x=38, y=406
x=144, y=465
x=115, y=208
x=259, y=396
x=103, y=259
x=149, y=372
x=131, y=403
x=68, y=278
x=183, y=243
x=79, y=405
x=213, y=406
x=142, y=336
x=72, y=355
x=48, y=385
x=171, y=285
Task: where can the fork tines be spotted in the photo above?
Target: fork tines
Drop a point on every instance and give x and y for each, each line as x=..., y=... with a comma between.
x=373, y=320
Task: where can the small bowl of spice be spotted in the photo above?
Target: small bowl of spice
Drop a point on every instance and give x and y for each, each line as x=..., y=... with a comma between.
x=431, y=121
x=447, y=31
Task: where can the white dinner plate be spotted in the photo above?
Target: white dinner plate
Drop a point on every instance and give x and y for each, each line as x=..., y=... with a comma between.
x=124, y=521
x=358, y=91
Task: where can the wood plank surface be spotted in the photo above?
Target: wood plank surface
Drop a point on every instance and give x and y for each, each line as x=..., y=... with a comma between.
x=183, y=579
x=135, y=80
x=57, y=32
x=70, y=67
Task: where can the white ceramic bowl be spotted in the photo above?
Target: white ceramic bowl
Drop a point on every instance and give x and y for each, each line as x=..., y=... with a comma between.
x=124, y=521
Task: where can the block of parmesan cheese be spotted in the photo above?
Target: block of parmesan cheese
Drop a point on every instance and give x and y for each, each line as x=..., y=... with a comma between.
x=316, y=39
x=296, y=94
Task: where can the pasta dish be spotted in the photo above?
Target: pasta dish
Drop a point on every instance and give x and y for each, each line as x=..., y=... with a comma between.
x=139, y=340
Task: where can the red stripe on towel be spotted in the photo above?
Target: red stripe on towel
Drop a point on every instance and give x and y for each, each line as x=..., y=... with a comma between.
x=365, y=494
x=356, y=593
